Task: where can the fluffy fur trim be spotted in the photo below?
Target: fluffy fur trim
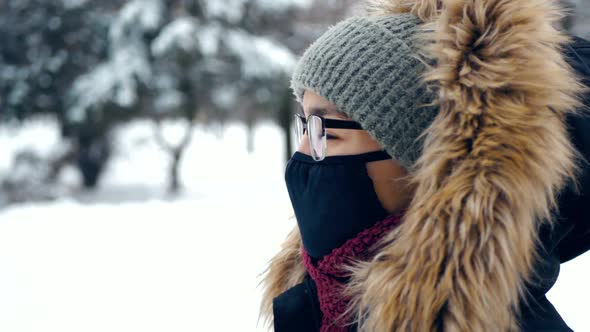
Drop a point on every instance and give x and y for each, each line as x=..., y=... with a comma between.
x=493, y=161
x=285, y=270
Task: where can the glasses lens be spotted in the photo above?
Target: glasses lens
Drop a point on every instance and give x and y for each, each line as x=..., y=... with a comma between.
x=317, y=139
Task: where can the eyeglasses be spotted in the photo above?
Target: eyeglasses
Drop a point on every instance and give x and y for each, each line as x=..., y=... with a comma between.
x=316, y=125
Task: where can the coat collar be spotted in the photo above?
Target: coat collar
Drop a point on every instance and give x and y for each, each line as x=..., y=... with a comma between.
x=493, y=162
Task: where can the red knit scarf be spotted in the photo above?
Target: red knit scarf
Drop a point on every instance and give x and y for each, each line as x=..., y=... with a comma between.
x=328, y=274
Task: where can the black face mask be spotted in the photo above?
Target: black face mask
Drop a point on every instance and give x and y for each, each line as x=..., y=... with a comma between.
x=333, y=199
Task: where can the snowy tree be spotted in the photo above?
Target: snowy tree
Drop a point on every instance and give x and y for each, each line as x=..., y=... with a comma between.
x=45, y=46
x=218, y=65
x=221, y=58
x=118, y=79
x=96, y=64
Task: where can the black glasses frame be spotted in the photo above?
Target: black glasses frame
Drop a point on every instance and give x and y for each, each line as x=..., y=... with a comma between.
x=330, y=123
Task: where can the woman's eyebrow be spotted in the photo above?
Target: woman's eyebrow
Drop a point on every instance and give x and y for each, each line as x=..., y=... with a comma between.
x=323, y=111
x=320, y=111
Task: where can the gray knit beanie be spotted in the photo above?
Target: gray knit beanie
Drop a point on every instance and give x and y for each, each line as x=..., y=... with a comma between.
x=367, y=66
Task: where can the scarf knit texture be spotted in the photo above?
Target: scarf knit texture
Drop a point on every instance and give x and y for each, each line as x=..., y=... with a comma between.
x=329, y=277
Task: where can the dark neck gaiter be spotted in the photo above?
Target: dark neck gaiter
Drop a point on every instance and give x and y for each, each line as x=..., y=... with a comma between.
x=333, y=199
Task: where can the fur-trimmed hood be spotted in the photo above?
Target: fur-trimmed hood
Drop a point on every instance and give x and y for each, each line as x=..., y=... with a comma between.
x=493, y=162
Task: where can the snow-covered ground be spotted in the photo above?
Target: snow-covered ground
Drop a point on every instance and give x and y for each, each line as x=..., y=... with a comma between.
x=127, y=258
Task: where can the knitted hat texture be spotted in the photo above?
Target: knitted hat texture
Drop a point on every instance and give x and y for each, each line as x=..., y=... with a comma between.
x=368, y=67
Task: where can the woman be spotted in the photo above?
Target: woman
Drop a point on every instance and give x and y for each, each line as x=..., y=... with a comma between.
x=441, y=177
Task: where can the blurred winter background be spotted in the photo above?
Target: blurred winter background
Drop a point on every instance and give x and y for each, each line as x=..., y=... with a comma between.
x=143, y=149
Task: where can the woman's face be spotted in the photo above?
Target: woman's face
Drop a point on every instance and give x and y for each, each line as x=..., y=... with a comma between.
x=388, y=175
x=339, y=141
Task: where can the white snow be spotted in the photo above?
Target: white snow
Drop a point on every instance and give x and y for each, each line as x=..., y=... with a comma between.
x=141, y=15
x=232, y=10
x=128, y=258
x=73, y=3
x=114, y=80
x=282, y=4
x=188, y=34
x=117, y=78
x=182, y=33
x=261, y=57
x=39, y=135
x=225, y=97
